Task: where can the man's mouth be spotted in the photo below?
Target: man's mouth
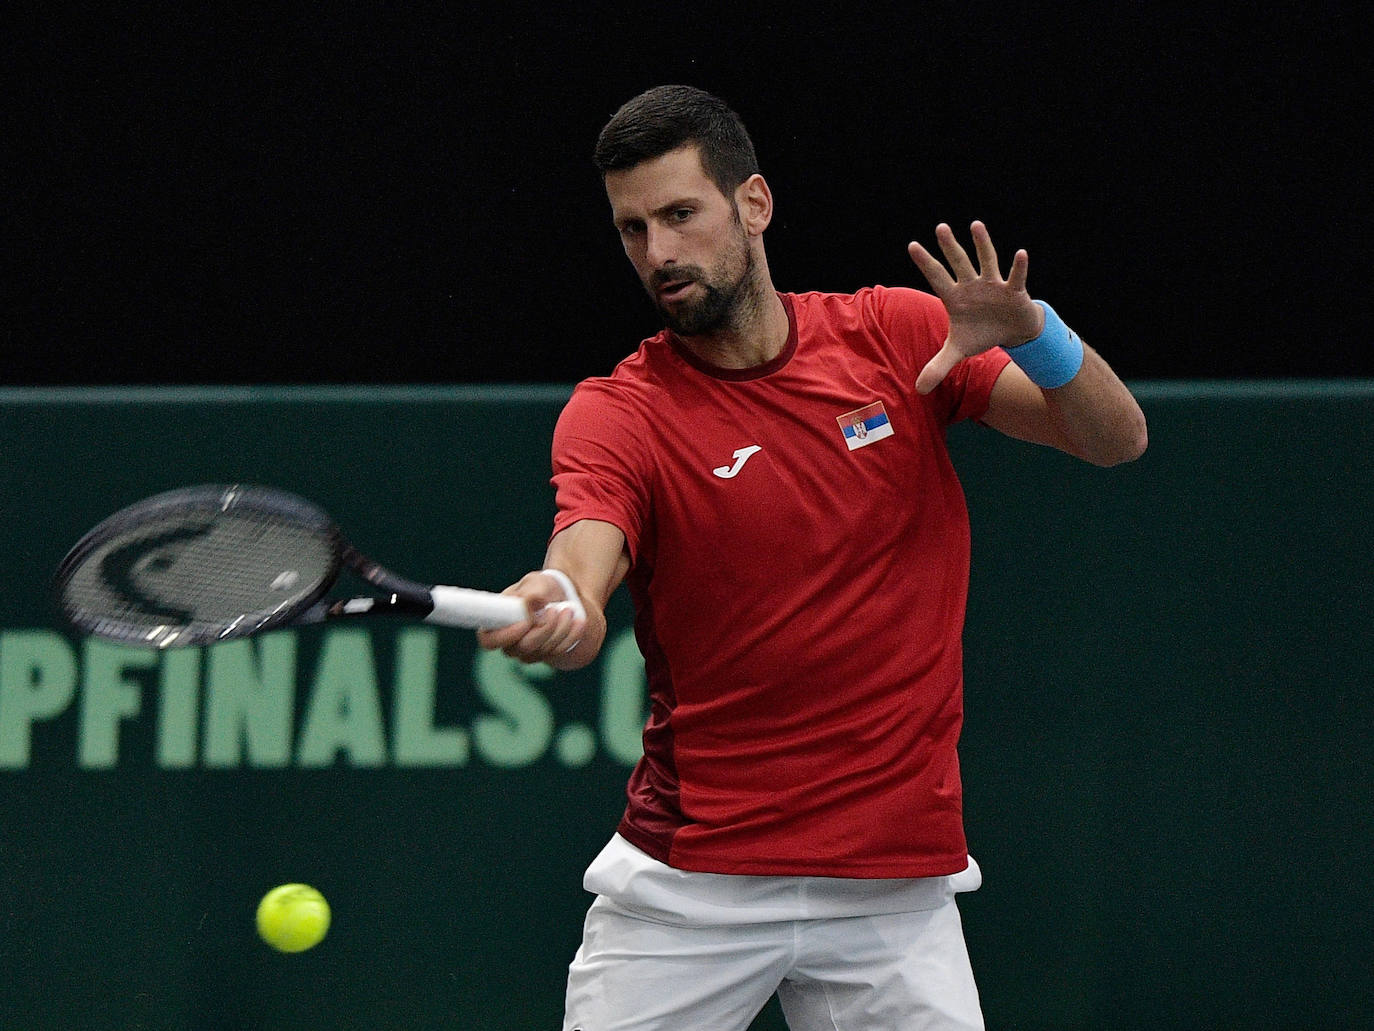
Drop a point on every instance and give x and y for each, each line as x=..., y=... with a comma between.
x=675, y=289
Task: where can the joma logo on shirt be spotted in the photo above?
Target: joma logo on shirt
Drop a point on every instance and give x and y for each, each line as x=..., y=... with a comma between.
x=729, y=472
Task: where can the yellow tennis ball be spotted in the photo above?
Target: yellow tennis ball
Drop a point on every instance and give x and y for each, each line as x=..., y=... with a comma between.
x=293, y=917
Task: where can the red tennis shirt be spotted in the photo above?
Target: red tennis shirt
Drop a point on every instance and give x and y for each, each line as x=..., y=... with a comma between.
x=800, y=558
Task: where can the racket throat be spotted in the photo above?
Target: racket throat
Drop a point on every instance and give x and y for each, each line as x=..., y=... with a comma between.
x=389, y=605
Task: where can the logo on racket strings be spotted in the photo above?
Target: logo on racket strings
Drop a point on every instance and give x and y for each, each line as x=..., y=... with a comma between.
x=142, y=571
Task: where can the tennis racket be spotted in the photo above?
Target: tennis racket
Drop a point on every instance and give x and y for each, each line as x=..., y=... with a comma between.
x=211, y=563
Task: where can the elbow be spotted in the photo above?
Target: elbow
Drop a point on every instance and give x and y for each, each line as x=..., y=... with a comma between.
x=1127, y=446
x=1142, y=441
x=1138, y=439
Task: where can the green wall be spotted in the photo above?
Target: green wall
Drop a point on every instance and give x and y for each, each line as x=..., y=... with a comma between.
x=1167, y=750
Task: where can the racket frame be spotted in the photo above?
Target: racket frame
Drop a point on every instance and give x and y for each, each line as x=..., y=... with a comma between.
x=448, y=606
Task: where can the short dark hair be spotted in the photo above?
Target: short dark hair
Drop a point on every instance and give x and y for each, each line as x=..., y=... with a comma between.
x=668, y=117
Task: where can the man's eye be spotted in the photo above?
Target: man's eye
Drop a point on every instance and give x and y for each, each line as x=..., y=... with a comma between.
x=682, y=214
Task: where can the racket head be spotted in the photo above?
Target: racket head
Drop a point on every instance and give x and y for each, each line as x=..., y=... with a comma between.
x=198, y=565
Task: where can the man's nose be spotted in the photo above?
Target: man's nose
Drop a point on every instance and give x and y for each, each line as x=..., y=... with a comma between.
x=659, y=247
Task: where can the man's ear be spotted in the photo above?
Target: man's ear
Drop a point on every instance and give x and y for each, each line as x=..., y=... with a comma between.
x=754, y=202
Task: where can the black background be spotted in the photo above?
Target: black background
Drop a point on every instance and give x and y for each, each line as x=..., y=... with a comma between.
x=404, y=193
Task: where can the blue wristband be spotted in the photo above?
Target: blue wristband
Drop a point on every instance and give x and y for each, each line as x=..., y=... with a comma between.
x=1054, y=357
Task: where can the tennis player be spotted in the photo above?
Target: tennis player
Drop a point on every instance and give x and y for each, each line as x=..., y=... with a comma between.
x=769, y=477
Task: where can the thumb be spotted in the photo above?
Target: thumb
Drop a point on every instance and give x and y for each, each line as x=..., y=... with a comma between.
x=937, y=369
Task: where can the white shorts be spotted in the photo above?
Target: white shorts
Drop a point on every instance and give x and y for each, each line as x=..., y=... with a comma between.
x=666, y=950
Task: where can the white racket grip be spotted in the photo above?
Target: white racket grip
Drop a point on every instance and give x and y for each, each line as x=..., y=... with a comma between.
x=475, y=610
x=571, y=599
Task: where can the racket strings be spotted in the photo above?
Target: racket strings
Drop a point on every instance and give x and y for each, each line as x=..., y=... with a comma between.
x=206, y=571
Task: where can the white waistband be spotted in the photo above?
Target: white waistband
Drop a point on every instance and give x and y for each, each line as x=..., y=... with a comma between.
x=628, y=877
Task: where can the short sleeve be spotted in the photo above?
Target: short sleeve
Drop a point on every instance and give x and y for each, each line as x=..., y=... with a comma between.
x=600, y=468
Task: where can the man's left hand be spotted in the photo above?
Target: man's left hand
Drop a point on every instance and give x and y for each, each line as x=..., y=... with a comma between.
x=985, y=310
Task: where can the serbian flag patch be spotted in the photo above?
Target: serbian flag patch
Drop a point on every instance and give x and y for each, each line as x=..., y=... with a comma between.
x=863, y=426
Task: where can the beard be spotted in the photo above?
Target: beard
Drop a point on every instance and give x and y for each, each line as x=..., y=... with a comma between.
x=722, y=294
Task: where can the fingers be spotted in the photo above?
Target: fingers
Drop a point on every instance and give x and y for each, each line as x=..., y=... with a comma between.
x=937, y=369
x=960, y=263
x=984, y=309
x=1020, y=265
x=555, y=630
x=954, y=253
x=987, y=254
x=936, y=275
x=552, y=629
x=934, y=270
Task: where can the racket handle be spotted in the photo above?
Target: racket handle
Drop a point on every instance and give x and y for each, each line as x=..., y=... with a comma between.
x=475, y=610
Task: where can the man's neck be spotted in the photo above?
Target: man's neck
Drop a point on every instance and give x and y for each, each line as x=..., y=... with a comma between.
x=758, y=338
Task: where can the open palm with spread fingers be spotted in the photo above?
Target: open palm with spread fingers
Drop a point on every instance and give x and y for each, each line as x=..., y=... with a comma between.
x=985, y=310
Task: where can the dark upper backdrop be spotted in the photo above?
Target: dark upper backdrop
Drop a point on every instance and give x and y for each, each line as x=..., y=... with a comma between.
x=405, y=195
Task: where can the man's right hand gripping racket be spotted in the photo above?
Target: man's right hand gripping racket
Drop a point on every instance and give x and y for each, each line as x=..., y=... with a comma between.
x=211, y=563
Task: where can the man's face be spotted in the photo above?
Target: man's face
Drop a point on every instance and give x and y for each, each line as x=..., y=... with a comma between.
x=684, y=238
